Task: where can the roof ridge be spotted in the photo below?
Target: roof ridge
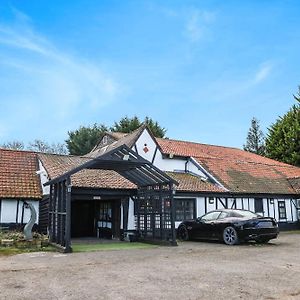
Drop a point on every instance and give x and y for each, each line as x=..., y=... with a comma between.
x=19, y=150
x=198, y=143
x=57, y=154
x=275, y=162
x=281, y=164
x=116, y=132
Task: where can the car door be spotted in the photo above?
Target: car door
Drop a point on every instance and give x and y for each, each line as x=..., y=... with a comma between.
x=204, y=228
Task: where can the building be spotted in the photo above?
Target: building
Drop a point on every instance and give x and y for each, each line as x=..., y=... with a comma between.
x=18, y=183
x=103, y=202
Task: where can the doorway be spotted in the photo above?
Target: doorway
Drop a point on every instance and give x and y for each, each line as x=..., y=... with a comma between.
x=82, y=219
x=97, y=218
x=108, y=219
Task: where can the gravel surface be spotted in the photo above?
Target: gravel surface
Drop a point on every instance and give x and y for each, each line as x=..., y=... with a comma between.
x=193, y=270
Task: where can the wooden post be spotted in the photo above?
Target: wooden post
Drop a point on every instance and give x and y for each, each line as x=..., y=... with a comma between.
x=50, y=211
x=68, y=216
x=161, y=205
x=138, y=212
x=172, y=217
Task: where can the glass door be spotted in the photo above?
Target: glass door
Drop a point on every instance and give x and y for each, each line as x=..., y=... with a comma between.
x=104, y=224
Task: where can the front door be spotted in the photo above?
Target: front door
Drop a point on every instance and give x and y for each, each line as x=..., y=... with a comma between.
x=108, y=224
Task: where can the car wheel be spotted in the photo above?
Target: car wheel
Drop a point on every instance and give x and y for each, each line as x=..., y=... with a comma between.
x=183, y=233
x=230, y=236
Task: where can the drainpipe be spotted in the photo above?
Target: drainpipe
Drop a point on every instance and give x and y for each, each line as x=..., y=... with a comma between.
x=185, y=165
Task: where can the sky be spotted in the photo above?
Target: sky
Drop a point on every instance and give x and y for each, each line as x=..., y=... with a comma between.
x=202, y=69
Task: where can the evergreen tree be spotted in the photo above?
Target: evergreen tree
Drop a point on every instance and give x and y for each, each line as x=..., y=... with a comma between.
x=83, y=140
x=283, y=139
x=255, y=142
x=127, y=125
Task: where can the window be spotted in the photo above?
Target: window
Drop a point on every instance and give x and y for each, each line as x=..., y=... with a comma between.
x=185, y=209
x=223, y=215
x=211, y=216
x=243, y=214
x=258, y=205
x=282, y=210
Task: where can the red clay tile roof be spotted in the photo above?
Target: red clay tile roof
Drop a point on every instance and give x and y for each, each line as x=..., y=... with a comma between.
x=295, y=182
x=237, y=170
x=57, y=165
x=18, y=178
x=191, y=183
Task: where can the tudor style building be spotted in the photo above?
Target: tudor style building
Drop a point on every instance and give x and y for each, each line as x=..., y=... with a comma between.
x=103, y=202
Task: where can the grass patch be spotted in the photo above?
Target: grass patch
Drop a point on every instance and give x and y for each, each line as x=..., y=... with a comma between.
x=110, y=246
x=7, y=251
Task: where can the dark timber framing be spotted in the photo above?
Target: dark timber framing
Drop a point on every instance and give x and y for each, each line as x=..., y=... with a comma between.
x=155, y=191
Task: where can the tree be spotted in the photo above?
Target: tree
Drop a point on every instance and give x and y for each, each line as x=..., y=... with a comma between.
x=42, y=146
x=283, y=139
x=84, y=139
x=255, y=142
x=14, y=145
x=128, y=125
x=38, y=146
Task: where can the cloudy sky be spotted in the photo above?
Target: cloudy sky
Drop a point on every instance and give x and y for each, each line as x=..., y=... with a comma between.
x=202, y=69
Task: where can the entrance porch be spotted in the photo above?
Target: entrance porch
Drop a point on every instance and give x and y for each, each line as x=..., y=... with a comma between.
x=154, y=198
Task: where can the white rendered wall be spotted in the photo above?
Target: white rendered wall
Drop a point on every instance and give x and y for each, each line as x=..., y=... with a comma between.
x=145, y=140
x=269, y=209
x=165, y=164
x=9, y=211
x=44, y=178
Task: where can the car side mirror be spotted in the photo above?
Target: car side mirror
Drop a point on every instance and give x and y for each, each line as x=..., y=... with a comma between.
x=199, y=220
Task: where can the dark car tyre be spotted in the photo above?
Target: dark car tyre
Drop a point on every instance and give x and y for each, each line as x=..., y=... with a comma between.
x=230, y=236
x=183, y=233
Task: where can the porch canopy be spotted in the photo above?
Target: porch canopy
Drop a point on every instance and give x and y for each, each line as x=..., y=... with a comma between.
x=155, y=209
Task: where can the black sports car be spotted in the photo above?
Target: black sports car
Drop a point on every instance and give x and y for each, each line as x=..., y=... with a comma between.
x=231, y=226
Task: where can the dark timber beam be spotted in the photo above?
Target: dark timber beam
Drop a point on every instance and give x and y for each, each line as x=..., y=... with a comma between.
x=68, y=216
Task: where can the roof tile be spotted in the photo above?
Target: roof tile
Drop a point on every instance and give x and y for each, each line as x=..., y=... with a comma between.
x=57, y=165
x=18, y=178
x=239, y=171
